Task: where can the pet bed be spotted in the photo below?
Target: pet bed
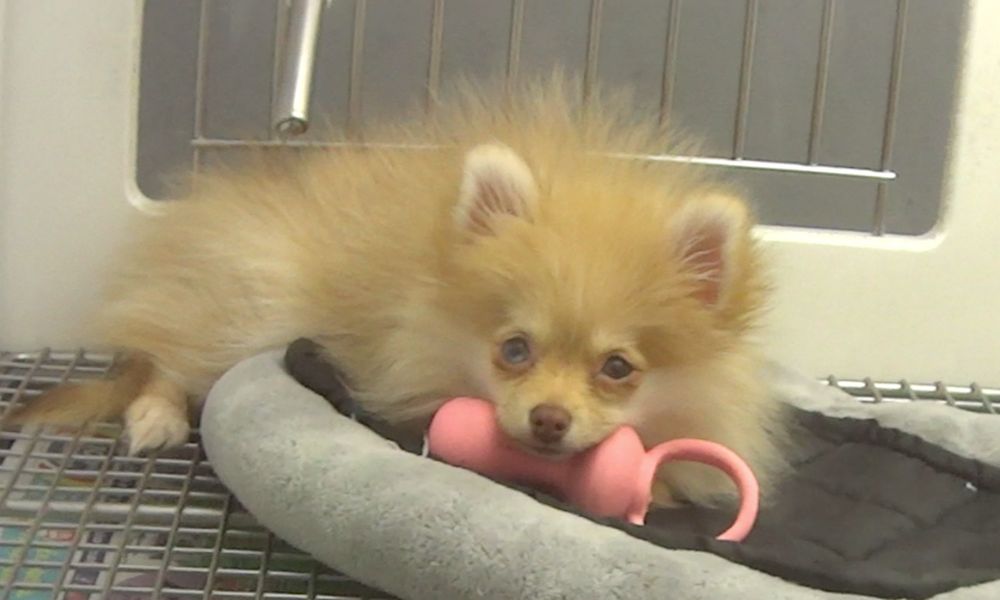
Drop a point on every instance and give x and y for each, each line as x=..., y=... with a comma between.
x=885, y=501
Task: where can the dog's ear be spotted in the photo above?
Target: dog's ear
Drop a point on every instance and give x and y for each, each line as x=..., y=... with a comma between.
x=496, y=185
x=708, y=235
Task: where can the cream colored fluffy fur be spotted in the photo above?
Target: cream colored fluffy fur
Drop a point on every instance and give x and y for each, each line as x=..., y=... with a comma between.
x=411, y=266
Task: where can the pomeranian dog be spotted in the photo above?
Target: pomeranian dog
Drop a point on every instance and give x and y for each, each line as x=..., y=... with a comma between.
x=524, y=254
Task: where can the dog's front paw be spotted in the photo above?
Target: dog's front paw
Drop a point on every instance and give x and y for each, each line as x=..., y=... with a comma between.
x=153, y=422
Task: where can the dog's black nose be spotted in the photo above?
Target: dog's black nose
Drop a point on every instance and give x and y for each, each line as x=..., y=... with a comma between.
x=549, y=423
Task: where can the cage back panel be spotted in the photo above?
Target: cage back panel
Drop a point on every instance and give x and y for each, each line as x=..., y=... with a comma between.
x=836, y=97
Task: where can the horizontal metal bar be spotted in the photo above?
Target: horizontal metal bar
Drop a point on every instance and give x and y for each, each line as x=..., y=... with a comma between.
x=972, y=397
x=152, y=494
x=767, y=165
x=107, y=509
x=755, y=165
x=920, y=388
x=226, y=143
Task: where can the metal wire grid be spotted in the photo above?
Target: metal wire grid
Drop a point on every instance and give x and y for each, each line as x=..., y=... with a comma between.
x=281, y=135
x=972, y=397
x=80, y=520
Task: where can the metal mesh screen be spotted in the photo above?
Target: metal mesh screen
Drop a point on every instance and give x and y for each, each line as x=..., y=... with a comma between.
x=80, y=520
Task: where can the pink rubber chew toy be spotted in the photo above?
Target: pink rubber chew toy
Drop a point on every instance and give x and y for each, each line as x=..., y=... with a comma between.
x=611, y=479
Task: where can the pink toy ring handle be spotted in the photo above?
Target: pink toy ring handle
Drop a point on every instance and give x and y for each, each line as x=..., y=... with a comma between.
x=711, y=454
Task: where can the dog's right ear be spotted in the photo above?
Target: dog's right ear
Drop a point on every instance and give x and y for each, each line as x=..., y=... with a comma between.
x=497, y=185
x=708, y=235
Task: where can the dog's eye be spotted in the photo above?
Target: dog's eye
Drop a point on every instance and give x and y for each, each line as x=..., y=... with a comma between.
x=617, y=368
x=516, y=351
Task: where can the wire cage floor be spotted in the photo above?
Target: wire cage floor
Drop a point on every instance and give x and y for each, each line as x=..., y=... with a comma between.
x=81, y=520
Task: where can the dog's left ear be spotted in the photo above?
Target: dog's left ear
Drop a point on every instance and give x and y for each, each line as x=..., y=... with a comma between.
x=496, y=185
x=708, y=235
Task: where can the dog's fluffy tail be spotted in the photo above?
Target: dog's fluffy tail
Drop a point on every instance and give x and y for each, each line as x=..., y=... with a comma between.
x=76, y=404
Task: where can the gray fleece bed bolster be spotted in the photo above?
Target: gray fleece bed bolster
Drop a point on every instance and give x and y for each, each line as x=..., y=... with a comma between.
x=419, y=529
